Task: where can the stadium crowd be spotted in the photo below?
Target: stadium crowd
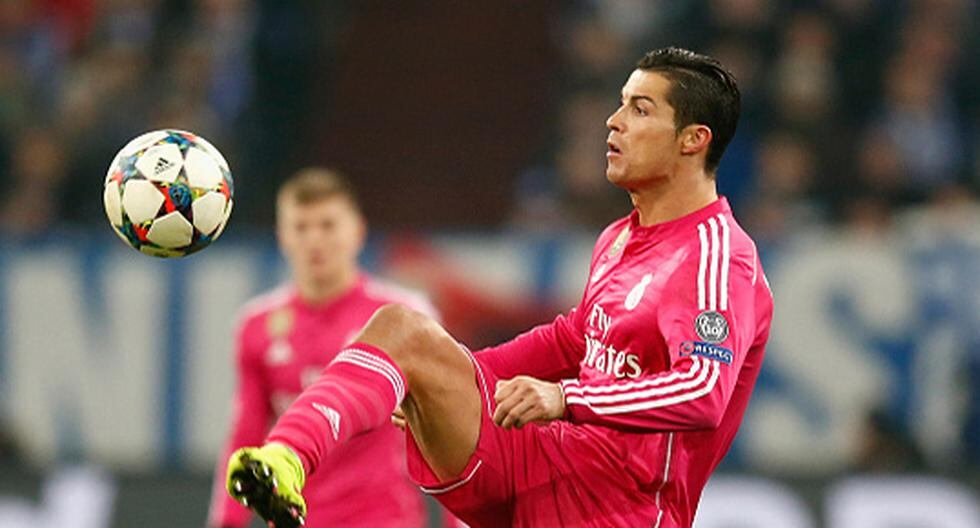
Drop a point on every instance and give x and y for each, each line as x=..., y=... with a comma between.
x=852, y=108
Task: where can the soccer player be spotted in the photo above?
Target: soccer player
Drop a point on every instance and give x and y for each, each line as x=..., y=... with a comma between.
x=289, y=335
x=616, y=413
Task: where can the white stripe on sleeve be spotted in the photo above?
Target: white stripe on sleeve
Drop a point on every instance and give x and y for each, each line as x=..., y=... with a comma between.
x=702, y=265
x=655, y=403
x=725, y=252
x=713, y=281
x=577, y=390
x=703, y=368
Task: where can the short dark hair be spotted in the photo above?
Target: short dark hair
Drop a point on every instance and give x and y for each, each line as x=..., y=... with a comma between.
x=702, y=92
x=313, y=184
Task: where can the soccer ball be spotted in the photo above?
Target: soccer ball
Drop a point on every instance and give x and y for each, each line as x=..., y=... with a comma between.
x=168, y=193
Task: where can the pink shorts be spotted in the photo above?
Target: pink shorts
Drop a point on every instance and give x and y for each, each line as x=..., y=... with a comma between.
x=558, y=474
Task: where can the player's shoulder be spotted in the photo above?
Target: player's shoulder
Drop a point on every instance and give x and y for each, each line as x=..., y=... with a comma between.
x=260, y=306
x=717, y=240
x=383, y=291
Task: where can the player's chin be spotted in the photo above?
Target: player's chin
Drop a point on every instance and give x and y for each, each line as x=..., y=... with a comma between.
x=615, y=175
x=323, y=270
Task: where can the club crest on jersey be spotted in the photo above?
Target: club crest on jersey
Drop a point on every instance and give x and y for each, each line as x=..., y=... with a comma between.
x=708, y=350
x=620, y=242
x=711, y=326
x=633, y=299
x=279, y=322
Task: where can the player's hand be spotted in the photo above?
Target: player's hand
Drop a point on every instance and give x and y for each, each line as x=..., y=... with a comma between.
x=269, y=480
x=524, y=399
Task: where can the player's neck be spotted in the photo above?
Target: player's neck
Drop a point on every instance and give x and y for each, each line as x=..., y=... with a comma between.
x=667, y=200
x=317, y=291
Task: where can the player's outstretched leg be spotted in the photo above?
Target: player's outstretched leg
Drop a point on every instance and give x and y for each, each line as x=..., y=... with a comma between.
x=400, y=357
x=442, y=405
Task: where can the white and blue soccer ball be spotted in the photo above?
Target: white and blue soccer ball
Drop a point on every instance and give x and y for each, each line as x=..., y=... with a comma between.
x=168, y=193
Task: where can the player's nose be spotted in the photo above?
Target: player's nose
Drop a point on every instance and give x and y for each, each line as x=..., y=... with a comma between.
x=613, y=123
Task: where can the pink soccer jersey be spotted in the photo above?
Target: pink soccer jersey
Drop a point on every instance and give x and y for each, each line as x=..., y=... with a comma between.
x=661, y=354
x=282, y=345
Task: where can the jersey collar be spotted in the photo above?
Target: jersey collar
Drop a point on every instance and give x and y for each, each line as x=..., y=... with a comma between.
x=719, y=206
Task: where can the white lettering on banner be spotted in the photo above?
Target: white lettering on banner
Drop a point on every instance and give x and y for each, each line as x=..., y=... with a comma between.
x=217, y=289
x=821, y=358
x=80, y=370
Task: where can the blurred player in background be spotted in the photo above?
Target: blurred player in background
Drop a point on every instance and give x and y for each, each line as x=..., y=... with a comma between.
x=287, y=336
x=616, y=413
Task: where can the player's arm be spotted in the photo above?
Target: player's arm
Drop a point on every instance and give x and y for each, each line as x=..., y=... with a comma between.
x=531, y=365
x=708, y=320
x=551, y=352
x=251, y=416
x=548, y=352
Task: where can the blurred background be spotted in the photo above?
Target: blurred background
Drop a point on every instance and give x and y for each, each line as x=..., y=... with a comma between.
x=475, y=134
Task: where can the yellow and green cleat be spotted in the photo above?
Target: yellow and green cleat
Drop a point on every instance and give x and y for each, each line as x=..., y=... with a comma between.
x=269, y=480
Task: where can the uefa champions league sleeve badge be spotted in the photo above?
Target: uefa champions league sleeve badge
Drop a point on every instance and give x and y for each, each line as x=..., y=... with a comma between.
x=711, y=327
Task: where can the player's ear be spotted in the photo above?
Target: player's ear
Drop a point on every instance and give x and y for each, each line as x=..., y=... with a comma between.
x=282, y=204
x=279, y=227
x=695, y=138
x=362, y=229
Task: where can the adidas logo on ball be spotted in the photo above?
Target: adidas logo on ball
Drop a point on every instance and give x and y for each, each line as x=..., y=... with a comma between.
x=162, y=165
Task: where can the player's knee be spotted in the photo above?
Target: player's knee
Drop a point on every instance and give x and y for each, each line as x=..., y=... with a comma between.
x=399, y=331
x=397, y=318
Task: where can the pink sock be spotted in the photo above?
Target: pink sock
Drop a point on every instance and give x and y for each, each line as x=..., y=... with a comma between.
x=357, y=391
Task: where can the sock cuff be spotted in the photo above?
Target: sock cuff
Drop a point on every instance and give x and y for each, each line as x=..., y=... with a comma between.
x=285, y=440
x=374, y=359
